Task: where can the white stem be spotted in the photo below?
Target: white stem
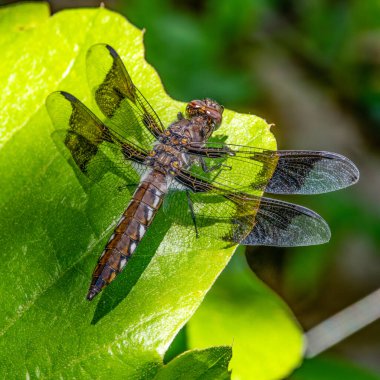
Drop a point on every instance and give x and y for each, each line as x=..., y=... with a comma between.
x=343, y=324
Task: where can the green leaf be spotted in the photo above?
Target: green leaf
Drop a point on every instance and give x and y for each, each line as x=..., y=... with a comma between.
x=53, y=228
x=211, y=363
x=241, y=311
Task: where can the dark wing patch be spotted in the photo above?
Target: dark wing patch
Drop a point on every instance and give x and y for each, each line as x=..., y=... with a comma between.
x=84, y=131
x=95, y=148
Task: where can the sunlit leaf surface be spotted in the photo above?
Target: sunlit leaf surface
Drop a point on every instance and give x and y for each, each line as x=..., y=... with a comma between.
x=239, y=310
x=53, y=227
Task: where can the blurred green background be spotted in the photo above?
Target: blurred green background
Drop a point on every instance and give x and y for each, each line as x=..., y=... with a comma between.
x=311, y=67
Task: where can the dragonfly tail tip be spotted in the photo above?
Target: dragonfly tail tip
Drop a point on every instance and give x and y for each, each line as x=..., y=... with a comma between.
x=91, y=294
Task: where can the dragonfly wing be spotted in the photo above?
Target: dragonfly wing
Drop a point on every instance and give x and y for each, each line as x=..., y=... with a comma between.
x=284, y=224
x=311, y=172
x=119, y=99
x=278, y=172
x=91, y=146
x=212, y=215
x=244, y=218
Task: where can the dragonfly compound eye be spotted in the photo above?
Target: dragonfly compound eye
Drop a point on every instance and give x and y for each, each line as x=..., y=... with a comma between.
x=207, y=108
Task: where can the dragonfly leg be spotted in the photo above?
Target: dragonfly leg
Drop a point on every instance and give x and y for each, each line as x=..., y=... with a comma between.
x=127, y=186
x=209, y=169
x=191, y=207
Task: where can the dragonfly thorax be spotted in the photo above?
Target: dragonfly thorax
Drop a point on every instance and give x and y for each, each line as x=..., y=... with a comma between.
x=182, y=132
x=169, y=154
x=166, y=159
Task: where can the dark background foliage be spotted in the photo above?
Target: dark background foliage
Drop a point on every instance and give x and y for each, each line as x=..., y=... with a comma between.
x=311, y=68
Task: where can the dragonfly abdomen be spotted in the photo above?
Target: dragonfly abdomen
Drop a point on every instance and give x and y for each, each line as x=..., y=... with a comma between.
x=130, y=230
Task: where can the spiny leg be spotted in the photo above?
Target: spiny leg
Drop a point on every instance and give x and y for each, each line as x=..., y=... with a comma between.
x=191, y=207
x=130, y=186
x=209, y=169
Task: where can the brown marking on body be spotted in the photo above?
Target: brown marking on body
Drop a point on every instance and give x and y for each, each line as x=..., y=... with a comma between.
x=130, y=230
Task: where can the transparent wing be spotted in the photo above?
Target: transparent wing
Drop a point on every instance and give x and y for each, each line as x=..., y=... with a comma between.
x=119, y=99
x=243, y=218
x=92, y=147
x=212, y=215
x=285, y=224
x=278, y=172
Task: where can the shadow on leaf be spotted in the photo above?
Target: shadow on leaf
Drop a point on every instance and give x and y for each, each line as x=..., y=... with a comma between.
x=119, y=289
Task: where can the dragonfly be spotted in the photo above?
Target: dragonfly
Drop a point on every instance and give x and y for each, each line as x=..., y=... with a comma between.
x=207, y=185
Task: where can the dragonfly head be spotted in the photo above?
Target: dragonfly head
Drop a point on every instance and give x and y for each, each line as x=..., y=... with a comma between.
x=206, y=107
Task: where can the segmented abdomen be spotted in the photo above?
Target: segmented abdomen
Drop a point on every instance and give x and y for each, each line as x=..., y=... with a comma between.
x=130, y=230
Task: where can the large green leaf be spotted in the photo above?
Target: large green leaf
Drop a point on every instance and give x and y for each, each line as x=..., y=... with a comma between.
x=53, y=229
x=239, y=310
